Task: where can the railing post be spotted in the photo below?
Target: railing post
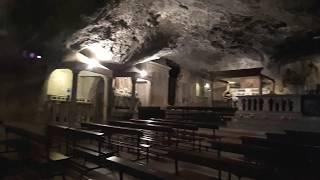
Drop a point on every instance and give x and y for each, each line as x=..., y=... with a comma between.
x=261, y=104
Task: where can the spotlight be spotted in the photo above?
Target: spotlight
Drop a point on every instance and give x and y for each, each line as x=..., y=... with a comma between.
x=97, y=52
x=143, y=73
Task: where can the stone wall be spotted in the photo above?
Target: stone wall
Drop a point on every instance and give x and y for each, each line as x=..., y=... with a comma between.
x=60, y=83
x=159, y=84
x=186, y=90
x=300, y=77
x=22, y=95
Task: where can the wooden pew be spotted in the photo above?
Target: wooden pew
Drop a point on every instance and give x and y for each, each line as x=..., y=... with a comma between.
x=304, y=137
x=10, y=167
x=293, y=159
x=108, y=129
x=185, y=133
x=155, y=134
x=137, y=170
x=87, y=152
x=58, y=137
x=35, y=149
x=151, y=127
x=206, y=125
x=111, y=131
x=191, y=129
x=200, y=114
x=170, y=124
x=236, y=167
x=157, y=137
x=253, y=153
x=308, y=150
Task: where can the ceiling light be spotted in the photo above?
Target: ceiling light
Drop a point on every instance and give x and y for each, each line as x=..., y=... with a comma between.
x=232, y=82
x=143, y=73
x=100, y=53
x=90, y=66
x=92, y=63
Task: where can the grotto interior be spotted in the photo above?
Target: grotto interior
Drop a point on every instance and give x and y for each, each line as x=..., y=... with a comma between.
x=160, y=89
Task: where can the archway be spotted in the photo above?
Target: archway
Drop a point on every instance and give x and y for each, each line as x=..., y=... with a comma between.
x=92, y=89
x=90, y=102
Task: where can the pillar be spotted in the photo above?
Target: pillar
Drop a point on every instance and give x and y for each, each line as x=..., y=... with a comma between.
x=212, y=93
x=133, y=93
x=73, y=105
x=260, y=85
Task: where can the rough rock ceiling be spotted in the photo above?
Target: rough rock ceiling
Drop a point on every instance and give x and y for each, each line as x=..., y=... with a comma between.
x=201, y=32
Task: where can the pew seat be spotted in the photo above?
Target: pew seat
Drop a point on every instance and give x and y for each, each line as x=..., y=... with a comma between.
x=237, y=167
x=90, y=155
x=137, y=170
x=192, y=175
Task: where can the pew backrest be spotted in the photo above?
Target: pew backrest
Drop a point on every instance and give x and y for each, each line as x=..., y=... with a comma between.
x=109, y=130
x=151, y=127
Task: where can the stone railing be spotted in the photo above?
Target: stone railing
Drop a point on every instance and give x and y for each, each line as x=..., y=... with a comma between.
x=270, y=103
x=60, y=112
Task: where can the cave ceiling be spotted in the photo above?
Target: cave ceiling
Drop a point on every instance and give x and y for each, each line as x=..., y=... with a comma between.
x=200, y=34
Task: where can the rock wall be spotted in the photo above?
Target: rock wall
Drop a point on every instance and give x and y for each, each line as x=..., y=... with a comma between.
x=300, y=77
x=186, y=94
x=22, y=95
x=159, y=85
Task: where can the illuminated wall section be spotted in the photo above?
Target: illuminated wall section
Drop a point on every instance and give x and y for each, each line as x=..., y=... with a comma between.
x=60, y=83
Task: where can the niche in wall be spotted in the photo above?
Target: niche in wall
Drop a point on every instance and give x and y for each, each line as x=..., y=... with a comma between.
x=60, y=83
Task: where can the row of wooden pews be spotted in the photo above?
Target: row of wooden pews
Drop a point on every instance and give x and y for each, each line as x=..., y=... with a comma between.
x=156, y=139
x=217, y=115
x=119, y=137
x=186, y=133
x=95, y=152
x=84, y=146
x=238, y=167
x=291, y=155
x=295, y=154
x=33, y=152
x=175, y=153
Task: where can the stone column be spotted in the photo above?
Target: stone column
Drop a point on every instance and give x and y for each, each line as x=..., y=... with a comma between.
x=133, y=93
x=73, y=105
x=260, y=85
x=159, y=84
x=212, y=93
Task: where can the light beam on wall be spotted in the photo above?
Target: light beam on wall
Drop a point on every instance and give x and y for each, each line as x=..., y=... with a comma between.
x=207, y=86
x=143, y=73
x=92, y=63
x=96, y=51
